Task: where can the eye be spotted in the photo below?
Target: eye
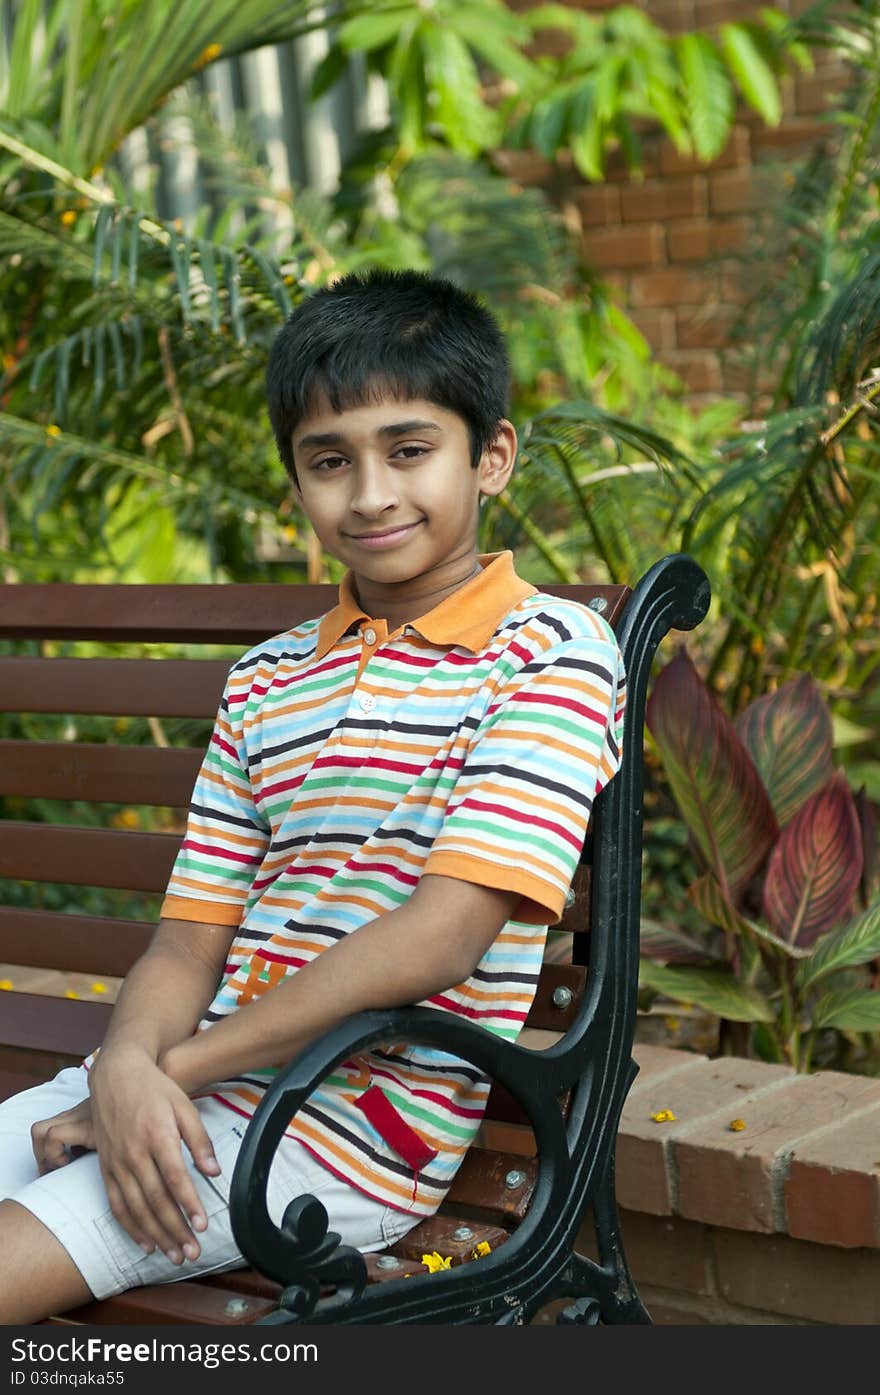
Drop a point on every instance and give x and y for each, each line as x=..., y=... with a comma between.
x=328, y=460
x=411, y=452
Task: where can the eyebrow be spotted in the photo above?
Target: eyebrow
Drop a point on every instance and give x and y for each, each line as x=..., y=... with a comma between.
x=396, y=428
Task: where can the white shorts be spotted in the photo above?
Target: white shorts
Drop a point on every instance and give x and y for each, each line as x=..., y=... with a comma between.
x=72, y=1201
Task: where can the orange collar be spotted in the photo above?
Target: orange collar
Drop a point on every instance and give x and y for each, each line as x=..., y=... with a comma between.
x=469, y=617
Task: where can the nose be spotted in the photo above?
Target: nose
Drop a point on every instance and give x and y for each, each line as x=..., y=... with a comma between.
x=375, y=490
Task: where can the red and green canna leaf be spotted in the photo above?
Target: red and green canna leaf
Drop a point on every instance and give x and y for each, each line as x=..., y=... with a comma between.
x=868, y=825
x=714, y=780
x=709, y=900
x=790, y=738
x=675, y=947
x=814, y=870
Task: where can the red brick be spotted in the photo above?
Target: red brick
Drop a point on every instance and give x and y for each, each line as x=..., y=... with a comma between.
x=658, y=327
x=708, y=327
x=736, y=1179
x=794, y=135
x=672, y=287
x=598, y=205
x=832, y=1192
x=820, y=92
x=735, y=153
x=797, y=1279
x=655, y=200
x=700, y=372
x=690, y=242
x=705, y=238
x=666, y=1250
x=673, y=16
x=734, y=191
x=618, y=248
x=711, y=12
x=644, y=1180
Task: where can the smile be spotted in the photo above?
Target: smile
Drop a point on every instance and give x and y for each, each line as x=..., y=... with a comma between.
x=385, y=539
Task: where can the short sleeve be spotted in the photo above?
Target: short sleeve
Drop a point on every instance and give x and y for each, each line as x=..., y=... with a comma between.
x=226, y=834
x=549, y=741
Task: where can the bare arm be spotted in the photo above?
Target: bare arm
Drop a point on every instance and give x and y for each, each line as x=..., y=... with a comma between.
x=166, y=993
x=432, y=942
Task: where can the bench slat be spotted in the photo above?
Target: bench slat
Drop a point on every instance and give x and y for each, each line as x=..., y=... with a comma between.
x=105, y=857
x=114, y=687
x=79, y=944
x=70, y=1026
x=176, y=1304
x=239, y=614
x=235, y=614
x=110, y=774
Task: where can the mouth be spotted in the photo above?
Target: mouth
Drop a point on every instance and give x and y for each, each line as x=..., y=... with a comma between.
x=388, y=535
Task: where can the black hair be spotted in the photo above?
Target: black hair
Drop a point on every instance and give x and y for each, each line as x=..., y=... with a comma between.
x=407, y=333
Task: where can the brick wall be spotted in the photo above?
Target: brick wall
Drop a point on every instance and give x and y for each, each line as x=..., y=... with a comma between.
x=774, y=1222
x=679, y=245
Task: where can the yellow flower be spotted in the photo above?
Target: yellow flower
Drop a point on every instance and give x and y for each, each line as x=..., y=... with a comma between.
x=208, y=55
x=663, y=1116
x=737, y=1125
x=126, y=818
x=68, y=217
x=435, y=1261
x=99, y=988
x=484, y=1248
x=53, y=430
x=6, y=984
x=71, y=994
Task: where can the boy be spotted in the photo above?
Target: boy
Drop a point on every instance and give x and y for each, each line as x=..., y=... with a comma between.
x=390, y=811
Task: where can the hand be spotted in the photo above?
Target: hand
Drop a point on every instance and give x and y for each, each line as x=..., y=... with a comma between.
x=141, y=1120
x=55, y=1139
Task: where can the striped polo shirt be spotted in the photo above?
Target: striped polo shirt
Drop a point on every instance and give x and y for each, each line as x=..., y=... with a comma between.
x=346, y=762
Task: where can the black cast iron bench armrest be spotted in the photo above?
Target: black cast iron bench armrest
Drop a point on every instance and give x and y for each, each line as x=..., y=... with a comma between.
x=302, y=1254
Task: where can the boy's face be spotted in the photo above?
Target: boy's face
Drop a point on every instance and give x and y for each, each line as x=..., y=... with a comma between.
x=401, y=470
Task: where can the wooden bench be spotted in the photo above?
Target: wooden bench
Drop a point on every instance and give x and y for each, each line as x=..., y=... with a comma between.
x=544, y=1155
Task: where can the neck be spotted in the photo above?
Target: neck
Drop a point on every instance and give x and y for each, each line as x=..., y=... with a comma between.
x=400, y=603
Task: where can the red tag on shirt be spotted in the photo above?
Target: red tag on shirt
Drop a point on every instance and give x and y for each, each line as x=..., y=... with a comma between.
x=395, y=1130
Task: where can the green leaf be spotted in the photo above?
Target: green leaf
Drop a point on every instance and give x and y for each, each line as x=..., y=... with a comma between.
x=708, y=96
x=754, y=76
x=789, y=736
x=856, y=943
x=455, y=103
x=714, y=780
x=367, y=32
x=328, y=72
x=712, y=989
x=851, y=1010
x=22, y=70
x=586, y=133
x=492, y=41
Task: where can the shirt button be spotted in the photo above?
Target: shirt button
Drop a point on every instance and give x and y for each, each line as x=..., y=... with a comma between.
x=367, y=702
x=370, y=636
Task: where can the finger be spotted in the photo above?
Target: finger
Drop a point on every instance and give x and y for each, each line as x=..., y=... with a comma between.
x=198, y=1141
x=123, y=1214
x=149, y=1212
x=178, y=1198
x=47, y=1141
x=152, y=1208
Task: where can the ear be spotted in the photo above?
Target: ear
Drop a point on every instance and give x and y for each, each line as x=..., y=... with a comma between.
x=498, y=459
